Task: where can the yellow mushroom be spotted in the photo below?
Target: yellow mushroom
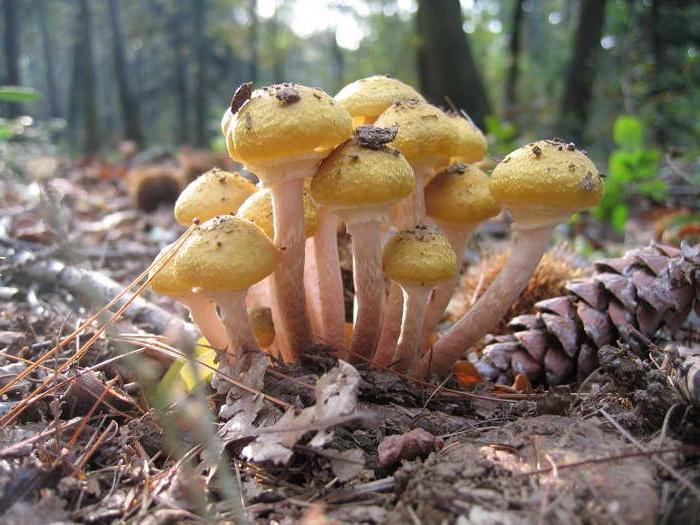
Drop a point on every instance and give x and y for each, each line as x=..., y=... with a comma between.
x=541, y=184
x=221, y=260
x=367, y=98
x=215, y=192
x=358, y=182
x=281, y=133
x=472, y=142
x=416, y=259
x=258, y=209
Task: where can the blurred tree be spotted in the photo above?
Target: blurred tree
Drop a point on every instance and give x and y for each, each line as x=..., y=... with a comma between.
x=446, y=66
x=514, y=58
x=253, y=28
x=83, y=103
x=198, y=17
x=129, y=103
x=42, y=15
x=580, y=75
x=12, y=51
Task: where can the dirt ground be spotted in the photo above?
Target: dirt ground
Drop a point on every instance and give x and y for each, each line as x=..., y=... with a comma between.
x=91, y=446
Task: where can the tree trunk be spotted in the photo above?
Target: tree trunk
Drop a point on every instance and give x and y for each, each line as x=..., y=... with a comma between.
x=12, y=77
x=177, y=42
x=83, y=92
x=47, y=47
x=253, y=27
x=129, y=102
x=200, y=94
x=445, y=62
x=337, y=63
x=514, y=58
x=277, y=62
x=582, y=68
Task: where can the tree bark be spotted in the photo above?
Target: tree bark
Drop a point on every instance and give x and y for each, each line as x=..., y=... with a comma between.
x=83, y=90
x=582, y=68
x=200, y=50
x=129, y=102
x=47, y=47
x=514, y=57
x=12, y=50
x=445, y=62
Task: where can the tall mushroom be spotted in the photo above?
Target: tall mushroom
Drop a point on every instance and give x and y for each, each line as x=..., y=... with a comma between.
x=457, y=199
x=258, y=210
x=367, y=98
x=221, y=260
x=417, y=259
x=541, y=184
x=358, y=182
x=427, y=138
x=202, y=309
x=213, y=193
x=281, y=133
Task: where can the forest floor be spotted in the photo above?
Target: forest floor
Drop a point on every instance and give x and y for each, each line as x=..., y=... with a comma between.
x=82, y=441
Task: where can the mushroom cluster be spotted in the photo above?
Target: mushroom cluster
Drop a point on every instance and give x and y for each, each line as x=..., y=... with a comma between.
x=400, y=175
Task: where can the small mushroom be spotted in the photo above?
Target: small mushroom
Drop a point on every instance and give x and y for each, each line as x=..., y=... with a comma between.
x=541, y=185
x=457, y=199
x=281, y=133
x=367, y=98
x=472, y=142
x=202, y=309
x=358, y=182
x=215, y=192
x=221, y=260
x=417, y=259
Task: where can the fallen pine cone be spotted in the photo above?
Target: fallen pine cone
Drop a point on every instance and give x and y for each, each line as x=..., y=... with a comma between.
x=627, y=299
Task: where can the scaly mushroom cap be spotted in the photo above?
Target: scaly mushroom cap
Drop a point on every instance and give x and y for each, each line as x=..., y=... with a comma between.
x=472, y=142
x=419, y=256
x=426, y=135
x=262, y=325
x=546, y=180
x=216, y=192
x=258, y=210
x=226, y=253
x=163, y=279
x=369, y=97
x=460, y=194
x=285, y=120
x=354, y=176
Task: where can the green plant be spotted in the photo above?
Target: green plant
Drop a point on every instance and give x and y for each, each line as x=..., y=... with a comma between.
x=14, y=95
x=632, y=173
x=504, y=134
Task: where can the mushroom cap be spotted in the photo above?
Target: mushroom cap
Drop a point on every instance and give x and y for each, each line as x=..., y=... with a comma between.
x=426, y=135
x=163, y=281
x=472, y=142
x=226, y=253
x=285, y=120
x=419, y=256
x=354, y=176
x=548, y=178
x=215, y=192
x=258, y=210
x=262, y=325
x=460, y=194
x=370, y=97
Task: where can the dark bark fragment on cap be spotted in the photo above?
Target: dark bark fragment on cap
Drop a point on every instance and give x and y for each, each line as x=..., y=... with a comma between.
x=241, y=96
x=287, y=94
x=374, y=137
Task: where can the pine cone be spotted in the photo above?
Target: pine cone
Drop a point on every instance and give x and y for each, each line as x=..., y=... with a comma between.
x=627, y=299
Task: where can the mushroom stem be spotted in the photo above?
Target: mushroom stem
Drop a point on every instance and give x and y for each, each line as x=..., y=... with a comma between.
x=369, y=286
x=330, y=282
x=313, y=303
x=234, y=317
x=391, y=327
x=415, y=301
x=457, y=235
x=203, y=314
x=287, y=279
x=527, y=250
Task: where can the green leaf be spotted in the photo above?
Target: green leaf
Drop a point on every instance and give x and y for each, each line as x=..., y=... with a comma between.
x=18, y=94
x=6, y=132
x=628, y=132
x=619, y=217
